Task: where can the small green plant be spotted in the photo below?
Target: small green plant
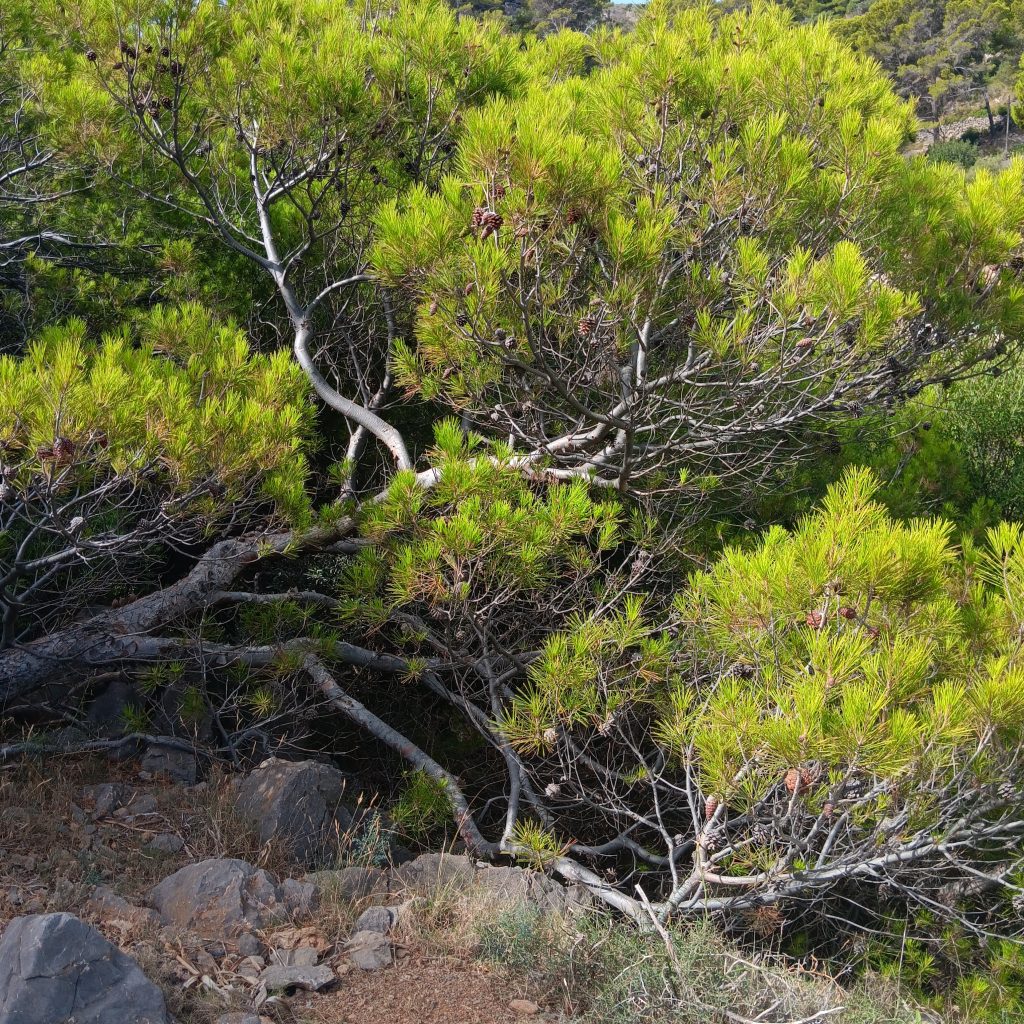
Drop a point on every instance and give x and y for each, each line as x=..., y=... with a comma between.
x=135, y=719
x=516, y=937
x=535, y=845
x=423, y=808
x=262, y=701
x=368, y=846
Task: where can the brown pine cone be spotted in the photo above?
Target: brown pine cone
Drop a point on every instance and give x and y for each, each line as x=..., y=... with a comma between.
x=710, y=806
x=63, y=449
x=713, y=840
x=586, y=326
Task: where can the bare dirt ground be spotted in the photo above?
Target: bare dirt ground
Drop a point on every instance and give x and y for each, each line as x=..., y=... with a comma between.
x=424, y=990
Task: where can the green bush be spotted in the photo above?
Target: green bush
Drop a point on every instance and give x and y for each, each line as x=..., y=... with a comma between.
x=954, y=151
x=985, y=421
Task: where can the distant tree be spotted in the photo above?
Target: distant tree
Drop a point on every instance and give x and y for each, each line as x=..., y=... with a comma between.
x=945, y=54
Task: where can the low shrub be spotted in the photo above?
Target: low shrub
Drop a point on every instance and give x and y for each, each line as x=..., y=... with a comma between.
x=954, y=151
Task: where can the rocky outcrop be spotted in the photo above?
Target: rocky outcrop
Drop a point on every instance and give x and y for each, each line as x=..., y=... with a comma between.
x=219, y=898
x=298, y=805
x=519, y=885
x=54, y=969
x=444, y=870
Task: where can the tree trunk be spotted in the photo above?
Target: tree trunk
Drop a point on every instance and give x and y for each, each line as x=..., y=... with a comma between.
x=120, y=633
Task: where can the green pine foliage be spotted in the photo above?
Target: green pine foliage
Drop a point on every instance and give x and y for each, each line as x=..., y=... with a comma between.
x=853, y=662
x=479, y=535
x=686, y=191
x=114, y=452
x=867, y=642
x=183, y=403
x=947, y=54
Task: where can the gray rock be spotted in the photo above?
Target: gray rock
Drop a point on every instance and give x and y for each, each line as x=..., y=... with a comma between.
x=311, y=979
x=143, y=803
x=170, y=760
x=297, y=804
x=300, y=898
x=249, y=945
x=369, y=951
x=54, y=968
x=218, y=898
x=521, y=885
x=106, y=797
x=431, y=871
x=166, y=843
x=377, y=919
x=304, y=956
x=350, y=883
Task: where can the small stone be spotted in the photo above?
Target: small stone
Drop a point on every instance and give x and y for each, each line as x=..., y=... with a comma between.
x=369, y=951
x=251, y=967
x=377, y=919
x=248, y=944
x=278, y=977
x=524, y=1007
x=300, y=898
x=166, y=843
x=204, y=960
x=170, y=760
x=301, y=956
x=105, y=798
x=143, y=804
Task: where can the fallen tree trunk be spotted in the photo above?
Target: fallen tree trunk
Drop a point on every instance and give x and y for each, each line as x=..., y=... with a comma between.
x=120, y=633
